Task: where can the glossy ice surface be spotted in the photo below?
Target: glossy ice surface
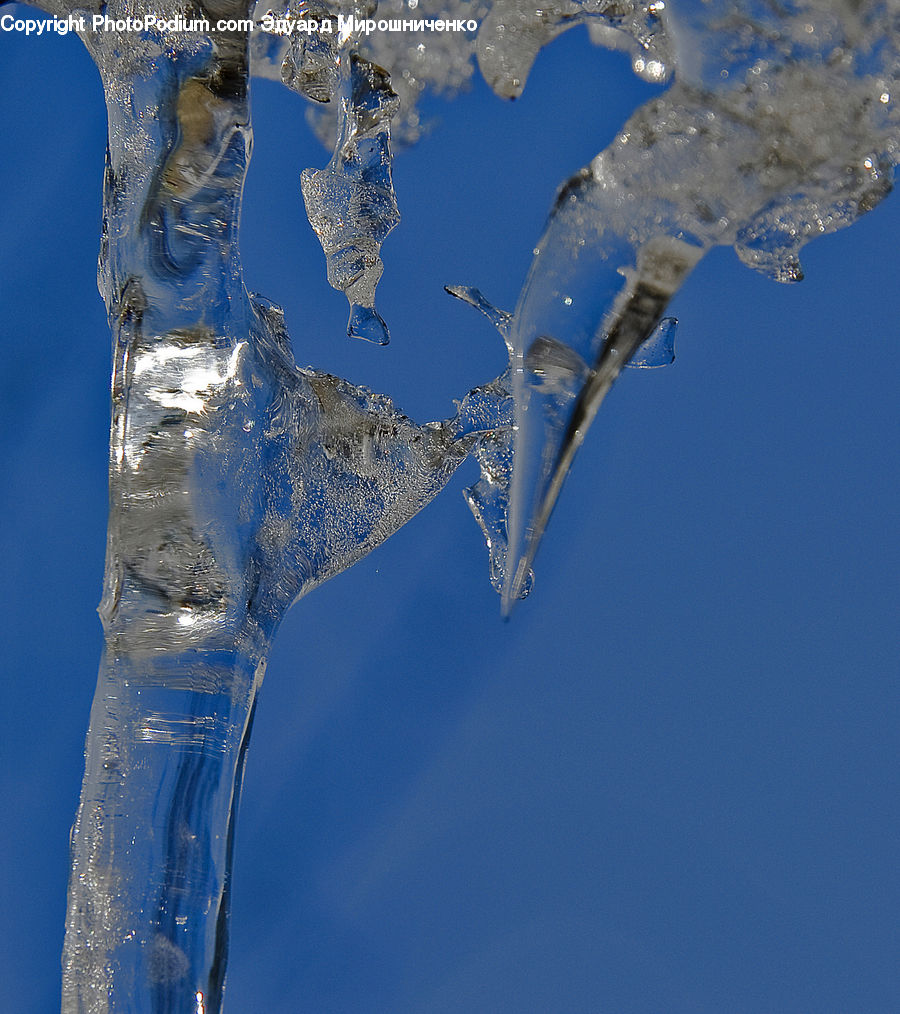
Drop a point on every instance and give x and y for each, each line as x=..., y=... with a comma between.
x=239, y=482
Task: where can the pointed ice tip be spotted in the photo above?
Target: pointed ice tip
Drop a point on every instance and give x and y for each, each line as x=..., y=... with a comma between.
x=501, y=319
x=367, y=323
x=518, y=587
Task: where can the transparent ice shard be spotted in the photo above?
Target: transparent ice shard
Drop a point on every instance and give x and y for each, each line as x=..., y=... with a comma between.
x=501, y=319
x=659, y=349
x=417, y=61
x=310, y=62
x=351, y=203
x=553, y=418
x=487, y=415
x=780, y=126
x=490, y=409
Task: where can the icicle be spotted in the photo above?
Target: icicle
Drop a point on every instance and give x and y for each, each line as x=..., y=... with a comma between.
x=501, y=319
x=351, y=203
x=238, y=482
x=486, y=413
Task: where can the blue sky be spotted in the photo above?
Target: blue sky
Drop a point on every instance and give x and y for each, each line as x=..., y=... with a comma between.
x=669, y=785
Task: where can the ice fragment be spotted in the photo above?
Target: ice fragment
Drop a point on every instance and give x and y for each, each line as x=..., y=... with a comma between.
x=515, y=31
x=486, y=413
x=659, y=349
x=351, y=203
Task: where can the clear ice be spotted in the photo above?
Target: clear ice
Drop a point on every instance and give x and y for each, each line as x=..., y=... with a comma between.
x=780, y=125
x=239, y=482
x=351, y=204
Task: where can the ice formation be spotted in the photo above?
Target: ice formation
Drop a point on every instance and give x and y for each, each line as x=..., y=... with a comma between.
x=238, y=482
x=781, y=125
x=351, y=203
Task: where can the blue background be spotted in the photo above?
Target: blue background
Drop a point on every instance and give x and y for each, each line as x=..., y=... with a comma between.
x=670, y=783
